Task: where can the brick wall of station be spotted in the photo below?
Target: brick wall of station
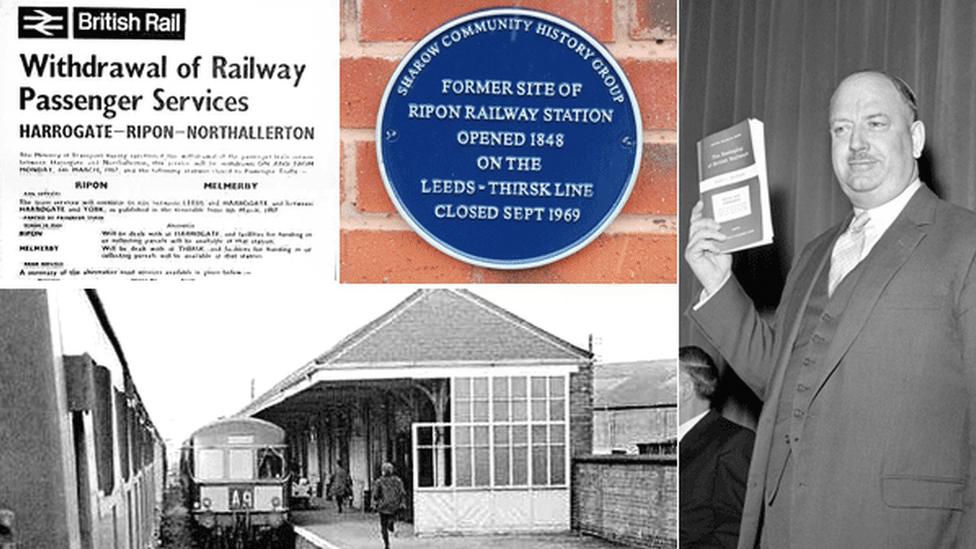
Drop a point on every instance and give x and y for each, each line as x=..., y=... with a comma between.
x=581, y=411
x=626, y=499
x=376, y=245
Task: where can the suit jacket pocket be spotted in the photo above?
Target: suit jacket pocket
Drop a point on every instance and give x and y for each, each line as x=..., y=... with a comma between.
x=905, y=491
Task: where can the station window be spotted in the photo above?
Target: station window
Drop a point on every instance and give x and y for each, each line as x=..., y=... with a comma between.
x=473, y=460
x=520, y=406
x=434, y=456
x=521, y=441
x=472, y=401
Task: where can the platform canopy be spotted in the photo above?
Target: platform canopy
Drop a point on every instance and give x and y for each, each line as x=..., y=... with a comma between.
x=434, y=333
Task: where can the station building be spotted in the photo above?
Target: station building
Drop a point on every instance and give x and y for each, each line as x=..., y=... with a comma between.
x=480, y=412
x=635, y=408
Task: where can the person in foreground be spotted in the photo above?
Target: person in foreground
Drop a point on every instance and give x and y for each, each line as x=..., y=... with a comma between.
x=389, y=498
x=714, y=458
x=867, y=370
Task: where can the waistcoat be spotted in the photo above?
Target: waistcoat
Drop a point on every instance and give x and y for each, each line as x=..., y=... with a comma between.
x=804, y=370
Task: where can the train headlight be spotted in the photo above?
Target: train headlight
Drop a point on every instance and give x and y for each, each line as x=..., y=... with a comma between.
x=196, y=505
x=275, y=502
x=207, y=503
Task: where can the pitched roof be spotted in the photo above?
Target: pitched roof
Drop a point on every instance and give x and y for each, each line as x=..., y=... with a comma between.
x=438, y=327
x=645, y=383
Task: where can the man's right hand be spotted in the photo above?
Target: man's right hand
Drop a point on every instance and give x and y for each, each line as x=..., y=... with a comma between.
x=710, y=265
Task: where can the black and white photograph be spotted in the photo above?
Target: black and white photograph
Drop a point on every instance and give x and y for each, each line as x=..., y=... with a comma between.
x=846, y=346
x=507, y=416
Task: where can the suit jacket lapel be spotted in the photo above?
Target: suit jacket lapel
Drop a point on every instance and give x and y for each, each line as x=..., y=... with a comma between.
x=885, y=260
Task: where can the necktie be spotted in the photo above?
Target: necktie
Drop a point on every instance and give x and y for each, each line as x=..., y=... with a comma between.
x=847, y=251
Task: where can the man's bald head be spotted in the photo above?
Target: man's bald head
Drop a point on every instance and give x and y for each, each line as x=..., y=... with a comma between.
x=900, y=86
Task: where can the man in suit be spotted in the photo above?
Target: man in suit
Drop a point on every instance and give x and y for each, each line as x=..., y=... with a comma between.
x=714, y=458
x=868, y=368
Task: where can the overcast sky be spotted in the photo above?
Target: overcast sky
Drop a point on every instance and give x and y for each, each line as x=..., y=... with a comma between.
x=193, y=351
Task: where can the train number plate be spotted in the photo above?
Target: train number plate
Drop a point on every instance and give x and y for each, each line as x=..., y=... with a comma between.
x=240, y=497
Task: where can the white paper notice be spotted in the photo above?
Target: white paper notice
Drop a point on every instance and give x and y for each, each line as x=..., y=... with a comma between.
x=165, y=141
x=731, y=204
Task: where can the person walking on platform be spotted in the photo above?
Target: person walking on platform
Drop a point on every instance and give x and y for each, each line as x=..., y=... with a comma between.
x=340, y=485
x=389, y=498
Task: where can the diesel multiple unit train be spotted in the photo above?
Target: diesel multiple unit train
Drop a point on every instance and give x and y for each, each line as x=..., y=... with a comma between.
x=81, y=464
x=83, y=467
x=235, y=483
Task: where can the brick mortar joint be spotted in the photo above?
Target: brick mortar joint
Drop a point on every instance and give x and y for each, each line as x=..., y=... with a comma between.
x=350, y=21
x=349, y=179
x=621, y=51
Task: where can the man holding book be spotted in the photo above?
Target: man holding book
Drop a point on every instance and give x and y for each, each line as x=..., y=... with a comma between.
x=868, y=368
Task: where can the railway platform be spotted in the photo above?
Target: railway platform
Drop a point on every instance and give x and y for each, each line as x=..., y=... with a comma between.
x=323, y=528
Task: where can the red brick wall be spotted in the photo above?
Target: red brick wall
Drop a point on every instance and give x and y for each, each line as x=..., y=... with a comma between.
x=627, y=499
x=376, y=245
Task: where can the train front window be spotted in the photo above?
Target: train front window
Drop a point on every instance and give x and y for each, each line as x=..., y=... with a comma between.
x=271, y=463
x=241, y=463
x=209, y=464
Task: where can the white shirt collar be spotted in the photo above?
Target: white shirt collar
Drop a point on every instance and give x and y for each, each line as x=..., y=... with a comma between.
x=688, y=425
x=881, y=217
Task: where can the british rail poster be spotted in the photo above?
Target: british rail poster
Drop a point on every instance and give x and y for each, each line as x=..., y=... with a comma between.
x=167, y=141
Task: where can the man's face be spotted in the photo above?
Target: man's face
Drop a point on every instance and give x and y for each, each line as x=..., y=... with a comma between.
x=874, y=142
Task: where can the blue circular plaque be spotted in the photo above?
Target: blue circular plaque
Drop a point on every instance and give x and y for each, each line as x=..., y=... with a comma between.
x=508, y=138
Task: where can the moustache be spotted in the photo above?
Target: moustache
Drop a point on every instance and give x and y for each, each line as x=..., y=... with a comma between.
x=861, y=157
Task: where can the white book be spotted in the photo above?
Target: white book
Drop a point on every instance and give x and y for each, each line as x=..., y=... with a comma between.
x=733, y=185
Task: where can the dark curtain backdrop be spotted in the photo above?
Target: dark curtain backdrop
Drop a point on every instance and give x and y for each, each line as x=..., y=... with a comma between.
x=779, y=61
